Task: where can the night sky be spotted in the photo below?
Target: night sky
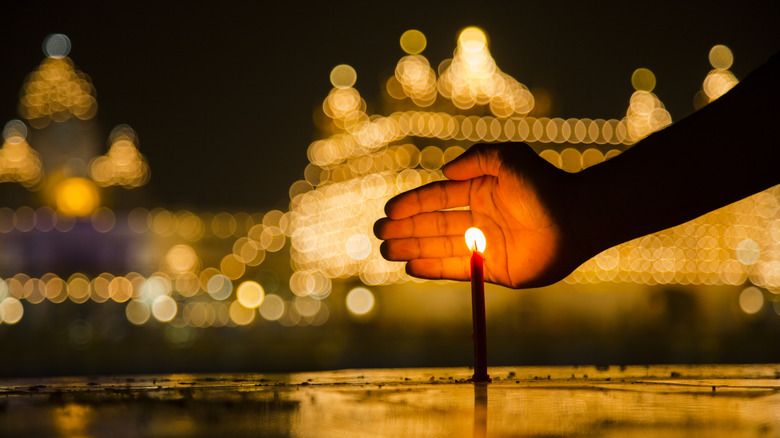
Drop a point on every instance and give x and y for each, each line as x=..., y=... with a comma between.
x=222, y=94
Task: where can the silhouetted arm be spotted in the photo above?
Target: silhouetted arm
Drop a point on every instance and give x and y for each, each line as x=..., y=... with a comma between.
x=728, y=150
x=541, y=222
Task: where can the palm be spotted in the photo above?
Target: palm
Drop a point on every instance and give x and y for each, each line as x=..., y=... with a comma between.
x=508, y=191
x=523, y=237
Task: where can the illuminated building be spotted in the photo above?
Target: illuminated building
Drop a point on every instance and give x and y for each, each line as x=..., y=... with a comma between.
x=226, y=269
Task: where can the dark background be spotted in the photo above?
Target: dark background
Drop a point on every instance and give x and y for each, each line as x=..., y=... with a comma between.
x=222, y=94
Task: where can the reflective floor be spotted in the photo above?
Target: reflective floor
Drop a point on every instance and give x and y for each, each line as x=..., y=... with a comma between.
x=668, y=401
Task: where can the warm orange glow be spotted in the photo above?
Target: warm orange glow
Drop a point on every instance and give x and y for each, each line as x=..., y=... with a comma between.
x=77, y=197
x=360, y=301
x=18, y=161
x=123, y=165
x=437, y=111
x=56, y=91
x=181, y=259
x=250, y=294
x=475, y=239
x=472, y=39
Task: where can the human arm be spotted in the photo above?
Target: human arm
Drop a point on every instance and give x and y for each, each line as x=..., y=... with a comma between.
x=541, y=223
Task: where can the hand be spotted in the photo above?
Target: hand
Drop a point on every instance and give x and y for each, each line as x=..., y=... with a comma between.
x=518, y=200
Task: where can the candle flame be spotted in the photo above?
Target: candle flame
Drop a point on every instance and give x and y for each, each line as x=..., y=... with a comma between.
x=475, y=239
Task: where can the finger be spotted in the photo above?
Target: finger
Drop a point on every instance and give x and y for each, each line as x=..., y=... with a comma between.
x=449, y=268
x=478, y=160
x=430, y=197
x=423, y=247
x=440, y=223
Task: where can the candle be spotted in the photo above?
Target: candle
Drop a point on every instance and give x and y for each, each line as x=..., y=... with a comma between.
x=476, y=242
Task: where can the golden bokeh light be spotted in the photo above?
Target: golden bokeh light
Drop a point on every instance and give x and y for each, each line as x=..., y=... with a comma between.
x=360, y=301
x=155, y=286
x=120, y=289
x=343, y=76
x=18, y=161
x=748, y=251
x=78, y=288
x=646, y=114
x=751, y=300
x=272, y=307
x=361, y=161
x=250, y=294
x=137, y=312
x=56, y=91
x=219, y=287
x=413, y=41
x=164, y=308
x=717, y=83
x=11, y=310
x=721, y=57
x=643, y=80
x=181, y=258
x=232, y=267
x=719, y=80
x=307, y=307
x=472, y=39
x=417, y=79
x=123, y=165
x=240, y=314
x=77, y=196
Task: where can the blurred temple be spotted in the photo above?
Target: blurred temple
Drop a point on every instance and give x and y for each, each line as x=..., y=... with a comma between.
x=111, y=283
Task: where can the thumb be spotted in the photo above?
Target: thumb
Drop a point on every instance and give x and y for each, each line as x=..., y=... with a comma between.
x=478, y=160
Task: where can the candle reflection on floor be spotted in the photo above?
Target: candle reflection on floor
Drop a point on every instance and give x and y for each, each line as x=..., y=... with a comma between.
x=480, y=409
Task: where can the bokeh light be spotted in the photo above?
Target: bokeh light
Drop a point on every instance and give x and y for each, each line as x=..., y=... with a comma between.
x=272, y=307
x=721, y=57
x=250, y=294
x=181, y=258
x=751, y=300
x=11, y=310
x=122, y=165
x=193, y=261
x=77, y=196
x=719, y=80
x=413, y=41
x=360, y=301
x=164, y=308
x=240, y=314
x=56, y=45
x=643, y=80
x=18, y=161
x=343, y=76
x=137, y=312
x=219, y=287
x=56, y=91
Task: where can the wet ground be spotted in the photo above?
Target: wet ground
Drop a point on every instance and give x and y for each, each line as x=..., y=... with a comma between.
x=645, y=401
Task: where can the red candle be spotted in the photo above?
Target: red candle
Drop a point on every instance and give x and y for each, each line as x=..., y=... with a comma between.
x=476, y=242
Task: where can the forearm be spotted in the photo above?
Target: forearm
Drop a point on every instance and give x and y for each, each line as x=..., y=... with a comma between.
x=726, y=151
